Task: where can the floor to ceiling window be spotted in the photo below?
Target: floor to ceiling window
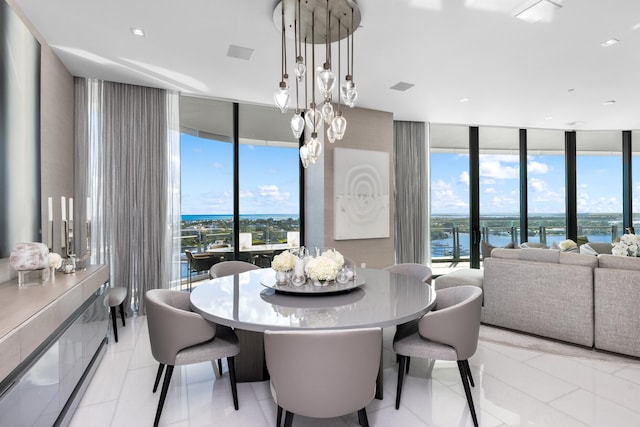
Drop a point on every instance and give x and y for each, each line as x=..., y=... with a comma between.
x=635, y=178
x=206, y=156
x=499, y=185
x=599, y=185
x=269, y=206
x=264, y=205
x=575, y=186
x=546, y=186
x=449, y=223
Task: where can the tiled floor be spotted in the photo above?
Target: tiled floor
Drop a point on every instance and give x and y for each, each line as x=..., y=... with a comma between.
x=514, y=387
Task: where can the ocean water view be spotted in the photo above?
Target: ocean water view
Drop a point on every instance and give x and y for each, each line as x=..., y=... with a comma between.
x=202, y=217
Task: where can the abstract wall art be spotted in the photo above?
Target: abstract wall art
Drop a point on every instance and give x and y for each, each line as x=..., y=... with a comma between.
x=361, y=194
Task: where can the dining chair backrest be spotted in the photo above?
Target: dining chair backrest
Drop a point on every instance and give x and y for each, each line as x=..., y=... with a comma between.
x=168, y=318
x=228, y=268
x=455, y=321
x=419, y=271
x=323, y=373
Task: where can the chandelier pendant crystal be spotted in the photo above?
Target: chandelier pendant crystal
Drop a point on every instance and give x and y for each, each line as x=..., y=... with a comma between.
x=297, y=124
x=321, y=22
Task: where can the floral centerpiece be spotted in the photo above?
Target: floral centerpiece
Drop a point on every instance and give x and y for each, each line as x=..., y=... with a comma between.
x=284, y=261
x=628, y=245
x=325, y=267
x=283, y=264
x=55, y=260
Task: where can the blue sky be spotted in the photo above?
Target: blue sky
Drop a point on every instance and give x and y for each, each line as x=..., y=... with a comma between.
x=269, y=181
x=268, y=178
x=599, y=183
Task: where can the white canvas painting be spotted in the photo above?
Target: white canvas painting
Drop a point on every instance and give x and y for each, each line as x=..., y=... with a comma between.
x=361, y=192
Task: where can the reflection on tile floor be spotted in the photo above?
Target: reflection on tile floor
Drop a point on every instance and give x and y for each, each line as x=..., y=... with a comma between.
x=514, y=387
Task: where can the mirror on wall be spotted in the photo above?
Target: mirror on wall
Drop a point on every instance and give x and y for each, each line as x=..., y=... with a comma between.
x=19, y=133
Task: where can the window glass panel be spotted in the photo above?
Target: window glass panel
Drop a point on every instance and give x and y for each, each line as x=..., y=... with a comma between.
x=206, y=176
x=599, y=184
x=546, y=186
x=449, y=170
x=269, y=184
x=635, y=178
x=499, y=185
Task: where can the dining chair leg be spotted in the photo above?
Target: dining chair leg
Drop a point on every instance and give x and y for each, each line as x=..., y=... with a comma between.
x=466, y=365
x=467, y=391
x=220, y=366
x=232, y=377
x=163, y=394
x=158, y=376
x=408, y=362
x=401, y=367
x=122, y=312
x=362, y=418
x=288, y=419
x=114, y=323
x=279, y=416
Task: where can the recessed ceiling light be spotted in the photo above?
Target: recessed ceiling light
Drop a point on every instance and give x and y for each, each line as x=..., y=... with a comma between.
x=542, y=10
x=402, y=86
x=609, y=102
x=139, y=32
x=548, y=118
x=464, y=100
x=609, y=42
x=239, y=52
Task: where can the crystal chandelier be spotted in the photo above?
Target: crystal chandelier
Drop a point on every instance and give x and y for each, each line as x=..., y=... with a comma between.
x=317, y=23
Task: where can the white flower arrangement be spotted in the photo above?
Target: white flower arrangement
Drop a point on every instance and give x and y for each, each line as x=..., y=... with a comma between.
x=324, y=267
x=628, y=245
x=55, y=260
x=335, y=255
x=284, y=261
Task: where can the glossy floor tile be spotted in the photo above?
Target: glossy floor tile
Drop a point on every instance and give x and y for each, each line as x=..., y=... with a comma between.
x=514, y=387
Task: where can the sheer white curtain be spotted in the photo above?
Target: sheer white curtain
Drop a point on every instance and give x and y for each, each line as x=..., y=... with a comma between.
x=410, y=163
x=127, y=168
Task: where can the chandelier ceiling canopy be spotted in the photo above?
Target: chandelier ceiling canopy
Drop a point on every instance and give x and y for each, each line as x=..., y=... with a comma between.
x=311, y=24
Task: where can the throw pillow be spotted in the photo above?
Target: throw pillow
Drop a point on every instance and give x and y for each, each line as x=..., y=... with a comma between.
x=487, y=247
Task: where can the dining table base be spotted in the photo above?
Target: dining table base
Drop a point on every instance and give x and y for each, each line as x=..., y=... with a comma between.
x=250, y=363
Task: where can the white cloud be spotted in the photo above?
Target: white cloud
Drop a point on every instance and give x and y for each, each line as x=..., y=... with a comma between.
x=490, y=190
x=464, y=177
x=444, y=199
x=537, y=168
x=272, y=192
x=495, y=169
x=537, y=185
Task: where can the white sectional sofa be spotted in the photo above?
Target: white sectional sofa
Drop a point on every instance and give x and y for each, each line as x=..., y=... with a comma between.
x=540, y=291
x=593, y=301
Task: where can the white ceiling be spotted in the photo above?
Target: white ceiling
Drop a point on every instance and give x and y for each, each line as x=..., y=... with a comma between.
x=513, y=72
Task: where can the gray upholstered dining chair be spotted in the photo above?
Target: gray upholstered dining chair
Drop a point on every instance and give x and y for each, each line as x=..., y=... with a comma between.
x=227, y=268
x=449, y=332
x=179, y=336
x=419, y=271
x=323, y=373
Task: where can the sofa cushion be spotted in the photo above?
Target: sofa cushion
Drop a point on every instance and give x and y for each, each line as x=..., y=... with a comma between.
x=618, y=262
x=506, y=253
x=533, y=245
x=540, y=255
x=578, y=259
x=467, y=276
x=487, y=248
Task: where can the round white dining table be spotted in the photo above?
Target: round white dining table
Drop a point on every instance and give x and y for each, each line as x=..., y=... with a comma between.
x=250, y=301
